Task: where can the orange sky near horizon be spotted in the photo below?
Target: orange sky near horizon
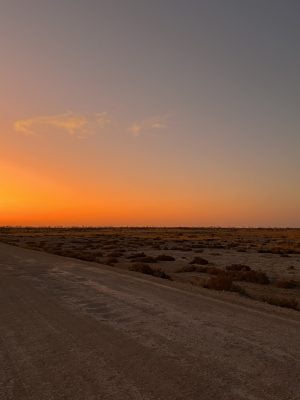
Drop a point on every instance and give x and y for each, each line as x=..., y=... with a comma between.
x=32, y=198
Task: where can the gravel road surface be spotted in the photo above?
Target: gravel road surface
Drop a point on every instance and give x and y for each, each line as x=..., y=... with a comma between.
x=72, y=330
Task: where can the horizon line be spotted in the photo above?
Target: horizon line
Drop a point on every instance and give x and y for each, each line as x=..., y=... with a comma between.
x=141, y=227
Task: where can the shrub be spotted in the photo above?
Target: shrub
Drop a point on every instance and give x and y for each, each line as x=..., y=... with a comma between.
x=281, y=302
x=165, y=257
x=199, y=260
x=200, y=268
x=146, y=269
x=238, y=267
x=188, y=268
x=285, y=284
x=222, y=282
x=213, y=270
x=250, y=276
x=146, y=259
x=136, y=255
x=111, y=260
x=115, y=253
x=240, y=290
x=142, y=267
x=98, y=254
x=84, y=257
x=161, y=274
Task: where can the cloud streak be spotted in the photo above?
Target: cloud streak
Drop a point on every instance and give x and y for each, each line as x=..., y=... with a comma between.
x=147, y=126
x=77, y=125
x=83, y=125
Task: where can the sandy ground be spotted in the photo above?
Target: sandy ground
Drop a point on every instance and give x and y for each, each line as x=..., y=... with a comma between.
x=72, y=330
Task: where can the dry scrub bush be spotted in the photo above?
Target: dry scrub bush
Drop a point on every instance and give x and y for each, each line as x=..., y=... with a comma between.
x=221, y=282
x=243, y=276
x=146, y=269
x=281, y=302
x=233, y=275
x=98, y=254
x=285, y=284
x=111, y=261
x=164, y=257
x=240, y=290
x=136, y=255
x=142, y=267
x=250, y=276
x=146, y=259
x=199, y=268
x=161, y=274
x=116, y=253
x=86, y=257
x=188, y=268
x=199, y=260
x=238, y=267
x=213, y=270
x=156, y=247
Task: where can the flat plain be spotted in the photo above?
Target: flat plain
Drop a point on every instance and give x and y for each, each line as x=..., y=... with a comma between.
x=149, y=313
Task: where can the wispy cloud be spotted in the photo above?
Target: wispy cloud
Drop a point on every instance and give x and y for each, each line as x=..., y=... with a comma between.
x=147, y=125
x=84, y=125
x=78, y=125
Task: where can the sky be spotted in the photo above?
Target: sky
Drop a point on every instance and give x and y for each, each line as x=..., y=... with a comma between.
x=161, y=113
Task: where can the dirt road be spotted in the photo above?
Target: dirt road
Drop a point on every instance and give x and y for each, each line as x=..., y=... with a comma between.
x=75, y=330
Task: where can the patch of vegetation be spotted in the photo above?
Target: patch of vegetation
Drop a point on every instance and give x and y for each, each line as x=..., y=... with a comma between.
x=188, y=268
x=146, y=259
x=146, y=269
x=164, y=257
x=285, y=284
x=250, y=276
x=281, y=302
x=199, y=261
x=116, y=253
x=136, y=255
x=238, y=267
x=111, y=261
x=222, y=282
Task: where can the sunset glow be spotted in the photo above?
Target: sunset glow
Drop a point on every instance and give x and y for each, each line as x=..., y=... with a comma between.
x=109, y=116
